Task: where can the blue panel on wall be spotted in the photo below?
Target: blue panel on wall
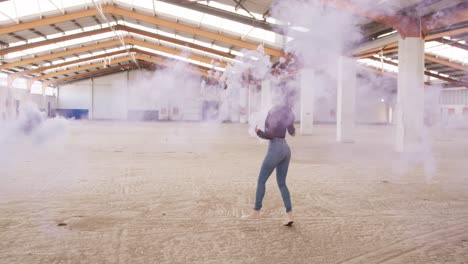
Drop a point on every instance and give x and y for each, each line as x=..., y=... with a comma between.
x=71, y=113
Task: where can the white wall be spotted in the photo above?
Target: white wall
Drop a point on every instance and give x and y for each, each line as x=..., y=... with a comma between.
x=22, y=97
x=76, y=95
x=113, y=96
x=138, y=99
x=110, y=97
x=454, y=107
x=372, y=110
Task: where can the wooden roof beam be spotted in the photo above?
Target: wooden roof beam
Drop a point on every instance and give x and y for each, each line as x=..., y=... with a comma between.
x=60, y=54
x=87, y=74
x=453, y=43
x=405, y=25
x=118, y=11
x=164, y=63
x=174, y=41
x=113, y=68
x=427, y=73
x=38, y=33
x=193, y=5
x=82, y=68
x=57, y=28
x=54, y=40
x=97, y=46
x=77, y=24
x=42, y=69
x=17, y=37
x=189, y=29
x=445, y=18
x=171, y=51
x=446, y=63
x=117, y=27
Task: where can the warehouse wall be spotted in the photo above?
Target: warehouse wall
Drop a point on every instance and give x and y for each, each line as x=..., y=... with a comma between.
x=454, y=107
x=369, y=108
x=130, y=95
x=22, y=97
x=110, y=97
x=77, y=95
x=126, y=95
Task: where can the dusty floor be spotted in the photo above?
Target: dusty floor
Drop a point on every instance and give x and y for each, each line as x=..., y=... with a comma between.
x=174, y=192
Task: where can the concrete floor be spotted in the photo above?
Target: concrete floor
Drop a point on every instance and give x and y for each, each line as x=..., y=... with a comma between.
x=174, y=192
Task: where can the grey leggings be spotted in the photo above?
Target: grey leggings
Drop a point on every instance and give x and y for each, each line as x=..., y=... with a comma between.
x=278, y=156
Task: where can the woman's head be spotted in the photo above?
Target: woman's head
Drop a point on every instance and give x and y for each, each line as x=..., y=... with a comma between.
x=284, y=94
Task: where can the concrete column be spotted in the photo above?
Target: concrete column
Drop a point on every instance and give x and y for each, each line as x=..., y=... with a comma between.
x=266, y=100
x=410, y=99
x=254, y=100
x=243, y=104
x=307, y=101
x=346, y=99
x=9, y=100
x=91, y=99
x=43, y=106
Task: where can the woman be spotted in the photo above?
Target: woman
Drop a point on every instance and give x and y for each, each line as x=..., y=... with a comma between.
x=280, y=118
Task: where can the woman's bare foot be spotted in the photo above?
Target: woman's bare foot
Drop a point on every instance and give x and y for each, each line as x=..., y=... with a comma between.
x=289, y=219
x=252, y=216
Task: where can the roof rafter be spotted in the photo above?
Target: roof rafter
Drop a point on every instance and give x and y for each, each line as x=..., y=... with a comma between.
x=54, y=40
x=453, y=43
x=394, y=44
x=82, y=68
x=222, y=13
x=118, y=11
x=407, y=26
x=113, y=68
x=41, y=69
x=446, y=62
x=117, y=27
x=428, y=73
x=127, y=40
x=60, y=54
x=172, y=51
x=88, y=74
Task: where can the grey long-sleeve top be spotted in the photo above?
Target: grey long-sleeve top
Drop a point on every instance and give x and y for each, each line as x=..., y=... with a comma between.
x=279, y=119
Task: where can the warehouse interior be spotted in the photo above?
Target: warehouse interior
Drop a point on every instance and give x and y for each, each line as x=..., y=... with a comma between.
x=127, y=130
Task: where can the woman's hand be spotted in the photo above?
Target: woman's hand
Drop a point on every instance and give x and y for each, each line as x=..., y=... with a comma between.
x=256, y=129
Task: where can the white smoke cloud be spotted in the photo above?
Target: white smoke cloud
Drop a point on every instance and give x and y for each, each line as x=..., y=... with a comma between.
x=170, y=90
x=32, y=131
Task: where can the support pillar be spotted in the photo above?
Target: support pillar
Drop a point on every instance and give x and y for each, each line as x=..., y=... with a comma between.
x=9, y=106
x=91, y=99
x=266, y=100
x=29, y=85
x=43, y=107
x=243, y=103
x=254, y=99
x=307, y=101
x=410, y=98
x=346, y=100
